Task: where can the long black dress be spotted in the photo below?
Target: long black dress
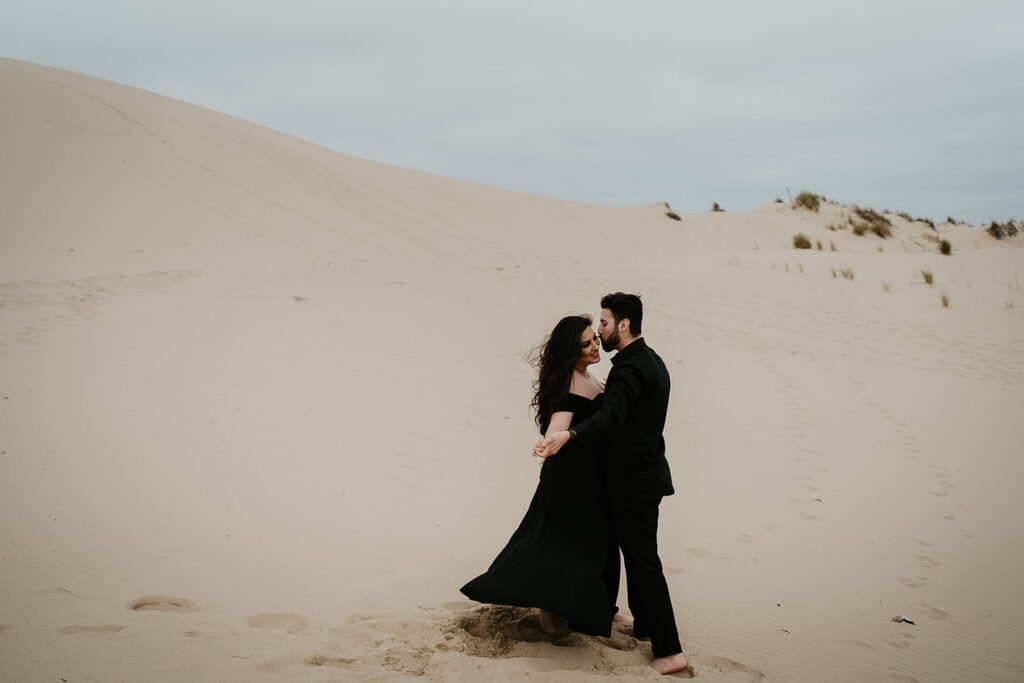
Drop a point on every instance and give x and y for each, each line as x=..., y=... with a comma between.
x=556, y=560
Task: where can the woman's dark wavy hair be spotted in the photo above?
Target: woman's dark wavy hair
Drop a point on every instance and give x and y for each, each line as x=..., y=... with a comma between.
x=555, y=359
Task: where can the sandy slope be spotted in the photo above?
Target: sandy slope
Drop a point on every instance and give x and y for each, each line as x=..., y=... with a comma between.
x=263, y=410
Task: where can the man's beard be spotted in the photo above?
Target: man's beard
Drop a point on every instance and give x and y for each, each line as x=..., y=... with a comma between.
x=611, y=342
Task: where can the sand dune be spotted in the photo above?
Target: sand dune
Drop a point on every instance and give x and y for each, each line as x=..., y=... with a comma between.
x=263, y=409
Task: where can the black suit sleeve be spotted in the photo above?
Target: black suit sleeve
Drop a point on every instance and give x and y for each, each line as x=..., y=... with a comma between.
x=624, y=386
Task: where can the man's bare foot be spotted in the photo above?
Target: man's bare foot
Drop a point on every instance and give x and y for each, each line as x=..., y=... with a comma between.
x=666, y=665
x=622, y=619
x=552, y=624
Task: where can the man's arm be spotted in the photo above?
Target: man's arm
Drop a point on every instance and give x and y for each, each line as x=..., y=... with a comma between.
x=624, y=386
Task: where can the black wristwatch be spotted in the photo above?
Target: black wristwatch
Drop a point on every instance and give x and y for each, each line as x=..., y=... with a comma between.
x=572, y=434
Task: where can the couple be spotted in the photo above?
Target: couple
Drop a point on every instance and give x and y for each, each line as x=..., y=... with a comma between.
x=603, y=477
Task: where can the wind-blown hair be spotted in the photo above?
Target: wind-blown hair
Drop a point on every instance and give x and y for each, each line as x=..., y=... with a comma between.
x=555, y=360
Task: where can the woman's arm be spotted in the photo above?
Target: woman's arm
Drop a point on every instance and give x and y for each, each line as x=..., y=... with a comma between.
x=559, y=423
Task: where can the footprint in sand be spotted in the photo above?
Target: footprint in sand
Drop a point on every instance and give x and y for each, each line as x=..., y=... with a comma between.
x=935, y=612
x=208, y=635
x=355, y=636
x=731, y=666
x=162, y=603
x=290, y=623
x=328, y=660
x=915, y=582
x=100, y=630
x=902, y=644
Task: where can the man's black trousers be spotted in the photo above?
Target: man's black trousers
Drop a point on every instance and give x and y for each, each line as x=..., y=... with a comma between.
x=635, y=530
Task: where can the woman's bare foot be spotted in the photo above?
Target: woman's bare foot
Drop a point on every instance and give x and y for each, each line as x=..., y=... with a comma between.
x=622, y=619
x=666, y=665
x=552, y=624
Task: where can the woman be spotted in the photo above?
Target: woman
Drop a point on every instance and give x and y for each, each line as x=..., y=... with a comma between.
x=561, y=558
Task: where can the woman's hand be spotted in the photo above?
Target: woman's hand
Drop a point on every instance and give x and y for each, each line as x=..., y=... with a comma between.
x=545, y=448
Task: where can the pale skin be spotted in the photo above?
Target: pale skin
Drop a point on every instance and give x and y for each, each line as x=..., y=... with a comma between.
x=614, y=335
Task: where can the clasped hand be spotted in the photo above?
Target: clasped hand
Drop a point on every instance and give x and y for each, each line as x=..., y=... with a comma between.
x=545, y=448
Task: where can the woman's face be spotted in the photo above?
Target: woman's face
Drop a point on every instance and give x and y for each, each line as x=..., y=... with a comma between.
x=590, y=347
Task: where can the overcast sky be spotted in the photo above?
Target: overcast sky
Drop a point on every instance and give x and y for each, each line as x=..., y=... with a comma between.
x=895, y=104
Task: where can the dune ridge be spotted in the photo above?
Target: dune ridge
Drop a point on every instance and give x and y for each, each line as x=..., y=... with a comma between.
x=264, y=409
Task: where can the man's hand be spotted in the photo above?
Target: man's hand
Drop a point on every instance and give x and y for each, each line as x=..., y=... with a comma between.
x=545, y=448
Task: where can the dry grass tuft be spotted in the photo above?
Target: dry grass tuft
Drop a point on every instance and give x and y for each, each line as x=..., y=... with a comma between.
x=870, y=220
x=1001, y=230
x=927, y=275
x=945, y=247
x=807, y=200
x=800, y=241
x=715, y=208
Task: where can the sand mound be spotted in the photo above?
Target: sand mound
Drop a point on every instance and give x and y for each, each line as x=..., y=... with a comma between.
x=281, y=393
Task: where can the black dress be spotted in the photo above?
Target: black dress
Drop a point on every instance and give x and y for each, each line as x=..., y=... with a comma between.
x=556, y=560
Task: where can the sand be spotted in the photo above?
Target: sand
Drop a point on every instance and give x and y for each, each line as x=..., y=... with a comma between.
x=263, y=409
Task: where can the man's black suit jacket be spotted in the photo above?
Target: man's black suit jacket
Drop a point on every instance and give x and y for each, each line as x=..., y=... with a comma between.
x=631, y=421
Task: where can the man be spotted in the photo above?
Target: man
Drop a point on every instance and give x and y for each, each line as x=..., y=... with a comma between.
x=632, y=419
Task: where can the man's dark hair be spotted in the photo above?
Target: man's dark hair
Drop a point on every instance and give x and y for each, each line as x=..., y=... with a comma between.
x=625, y=306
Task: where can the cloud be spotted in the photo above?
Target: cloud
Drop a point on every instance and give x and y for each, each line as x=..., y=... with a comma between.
x=690, y=102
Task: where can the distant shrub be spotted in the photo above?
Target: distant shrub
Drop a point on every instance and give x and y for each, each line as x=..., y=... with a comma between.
x=716, y=208
x=927, y=275
x=881, y=230
x=807, y=200
x=800, y=241
x=999, y=231
x=832, y=246
x=871, y=216
x=778, y=200
x=926, y=221
x=951, y=220
x=819, y=245
x=847, y=273
x=945, y=300
x=833, y=272
x=904, y=214
x=870, y=220
x=674, y=216
x=945, y=247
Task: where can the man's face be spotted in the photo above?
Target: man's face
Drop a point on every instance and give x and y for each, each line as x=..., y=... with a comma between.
x=608, y=331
